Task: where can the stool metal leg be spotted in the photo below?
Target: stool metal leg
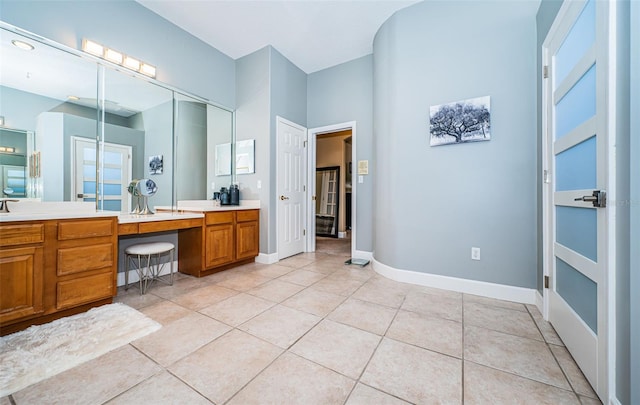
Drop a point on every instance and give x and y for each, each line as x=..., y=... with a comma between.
x=126, y=271
x=148, y=272
x=171, y=273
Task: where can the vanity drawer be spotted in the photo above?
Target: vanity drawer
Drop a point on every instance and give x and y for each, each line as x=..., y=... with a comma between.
x=127, y=229
x=21, y=234
x=247, y=215
x=214, y=218
x=83, y=290
x=78, y=259
x=85, y=229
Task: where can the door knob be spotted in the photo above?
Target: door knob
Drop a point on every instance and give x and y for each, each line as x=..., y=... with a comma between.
x=283, y=198
x=598, y=198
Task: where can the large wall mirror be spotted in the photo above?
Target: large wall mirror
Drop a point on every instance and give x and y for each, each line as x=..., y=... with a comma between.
x=91, y=128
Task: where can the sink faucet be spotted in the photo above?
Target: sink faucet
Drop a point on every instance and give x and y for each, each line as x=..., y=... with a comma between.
x=4, y=205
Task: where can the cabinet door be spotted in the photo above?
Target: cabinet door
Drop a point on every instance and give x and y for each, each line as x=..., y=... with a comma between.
x=21, y=272
x=219, y=245
x=247, y=240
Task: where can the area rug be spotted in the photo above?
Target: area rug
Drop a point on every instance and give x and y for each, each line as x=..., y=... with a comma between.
x=42, y=351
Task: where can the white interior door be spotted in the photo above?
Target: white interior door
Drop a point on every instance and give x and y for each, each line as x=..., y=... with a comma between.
x=291, y=163
x=116, y=173
x=576, y=163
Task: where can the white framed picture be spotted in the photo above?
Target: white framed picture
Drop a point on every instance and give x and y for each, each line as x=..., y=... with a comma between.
x=460, y=122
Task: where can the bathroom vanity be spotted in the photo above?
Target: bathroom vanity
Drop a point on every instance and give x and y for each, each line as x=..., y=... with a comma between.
x=229, y=237
x=59, y=259
x=54, y=265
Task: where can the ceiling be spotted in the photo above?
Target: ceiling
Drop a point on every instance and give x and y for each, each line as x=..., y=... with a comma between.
x=313, y=34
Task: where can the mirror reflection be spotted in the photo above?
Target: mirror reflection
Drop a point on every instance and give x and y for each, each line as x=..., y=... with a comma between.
x=200, y=130
x=13, y=163
x=135, y=140
x=327, y=201
x=39, y=89
x=77, y=114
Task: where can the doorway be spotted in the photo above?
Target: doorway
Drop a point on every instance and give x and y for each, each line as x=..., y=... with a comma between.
x=332, y=147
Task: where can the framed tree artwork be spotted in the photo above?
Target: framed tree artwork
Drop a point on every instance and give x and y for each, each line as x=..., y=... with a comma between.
x=460, y=122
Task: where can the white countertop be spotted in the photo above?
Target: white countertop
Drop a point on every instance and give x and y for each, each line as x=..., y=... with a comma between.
x=187, y=209
x=208, y=205
x=158, y=216
x=41, y=211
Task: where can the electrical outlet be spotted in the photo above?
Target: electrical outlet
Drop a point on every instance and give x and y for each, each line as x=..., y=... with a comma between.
x=475, y=253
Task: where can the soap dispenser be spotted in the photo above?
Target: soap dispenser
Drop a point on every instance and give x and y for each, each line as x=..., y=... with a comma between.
x=234, y=192
x=224, y=196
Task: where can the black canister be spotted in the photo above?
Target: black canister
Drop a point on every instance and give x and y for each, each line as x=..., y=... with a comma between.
x=234, y=191
x=224, y=196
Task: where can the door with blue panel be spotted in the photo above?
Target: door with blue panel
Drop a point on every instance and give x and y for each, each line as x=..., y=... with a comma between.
x=578, y=170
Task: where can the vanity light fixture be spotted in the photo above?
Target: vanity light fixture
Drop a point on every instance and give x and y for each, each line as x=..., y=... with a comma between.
x=118, y=58
x=113, y=56
x=148, y=70
x=93, y=48
x=7, y=149
x=132, y=63
x=22, y=45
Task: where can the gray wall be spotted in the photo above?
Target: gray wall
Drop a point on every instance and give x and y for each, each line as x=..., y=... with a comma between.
x=340, y=94
x=157, y=124
x=434, y=203
x=130, y=28
x=21, y=109
x=546, y=14
x=634, y=240
x=191, y=153
x=267, y=85
x=288, y=100
x=253, y=122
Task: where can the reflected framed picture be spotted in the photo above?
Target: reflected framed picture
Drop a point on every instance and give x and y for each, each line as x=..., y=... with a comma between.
x=156, y=164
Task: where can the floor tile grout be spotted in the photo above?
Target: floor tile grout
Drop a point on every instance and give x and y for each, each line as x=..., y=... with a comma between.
x=373, y=278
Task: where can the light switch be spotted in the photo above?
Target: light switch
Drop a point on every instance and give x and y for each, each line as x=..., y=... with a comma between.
x=259, y=185
x=360, y=179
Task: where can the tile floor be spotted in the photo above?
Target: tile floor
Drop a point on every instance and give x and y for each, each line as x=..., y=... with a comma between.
x=310, y=330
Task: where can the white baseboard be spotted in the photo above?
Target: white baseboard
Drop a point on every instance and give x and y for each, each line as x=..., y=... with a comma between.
x=265, y=258
x=362, y=254
x=614, y=401
x=482, y=288
x=134, y=278
x=342, y=235
x=539, y=302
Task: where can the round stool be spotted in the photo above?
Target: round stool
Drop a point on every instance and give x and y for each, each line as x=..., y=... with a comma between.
x=136, y=255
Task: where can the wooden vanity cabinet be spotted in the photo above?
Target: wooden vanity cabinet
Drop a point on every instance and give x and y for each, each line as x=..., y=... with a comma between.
x=219, y=230
x=86, y=261
x=226, y=239
x=21, y=271
x=55, y=268
x=247, y=234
